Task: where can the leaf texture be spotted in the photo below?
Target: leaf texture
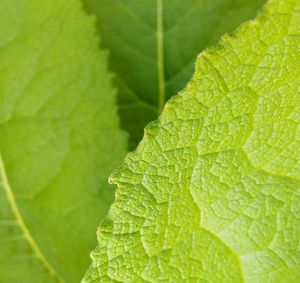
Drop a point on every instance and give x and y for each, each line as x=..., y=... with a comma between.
x=59, y=140
x=212, y=193
x=154, y=44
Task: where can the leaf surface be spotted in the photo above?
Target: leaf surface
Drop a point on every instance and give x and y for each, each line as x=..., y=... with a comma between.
x=212, y=193
x=59, y=140
x=153, y=46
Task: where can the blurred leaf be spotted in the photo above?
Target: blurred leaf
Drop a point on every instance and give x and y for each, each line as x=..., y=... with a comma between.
x=59, y=140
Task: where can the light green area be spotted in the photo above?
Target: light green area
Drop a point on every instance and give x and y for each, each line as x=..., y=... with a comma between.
x=59, y=140
x=212, y=193
x=153, y=47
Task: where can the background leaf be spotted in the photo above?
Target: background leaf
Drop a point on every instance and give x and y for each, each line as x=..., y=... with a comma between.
x=212, y=193
x=154, y=44
x=59, y=139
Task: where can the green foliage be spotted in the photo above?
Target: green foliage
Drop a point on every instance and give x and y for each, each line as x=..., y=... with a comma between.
x=59, y=140
x=212, y=193
x=153, y=47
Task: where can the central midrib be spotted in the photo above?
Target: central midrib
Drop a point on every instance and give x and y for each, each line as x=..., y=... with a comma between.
x=16, y=212
x=160, y=57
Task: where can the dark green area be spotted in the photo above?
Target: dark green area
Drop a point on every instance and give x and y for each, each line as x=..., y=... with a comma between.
x=129, y=30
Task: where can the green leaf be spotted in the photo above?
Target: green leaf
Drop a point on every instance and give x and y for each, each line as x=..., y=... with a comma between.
x=153, y=46
x=212, y=193
x=59, y=140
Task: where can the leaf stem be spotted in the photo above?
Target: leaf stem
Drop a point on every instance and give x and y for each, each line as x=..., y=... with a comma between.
x=160, y=57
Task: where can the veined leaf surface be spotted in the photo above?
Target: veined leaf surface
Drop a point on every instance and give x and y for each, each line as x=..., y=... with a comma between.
x=59, y=140
x=212, y=193
x=153, y=46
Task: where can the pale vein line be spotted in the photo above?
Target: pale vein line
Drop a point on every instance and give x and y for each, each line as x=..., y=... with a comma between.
x=22, y=224
x=160, y=56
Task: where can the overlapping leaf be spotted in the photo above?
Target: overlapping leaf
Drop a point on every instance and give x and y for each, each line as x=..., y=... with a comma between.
x=212, y=193
x=59, y=140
